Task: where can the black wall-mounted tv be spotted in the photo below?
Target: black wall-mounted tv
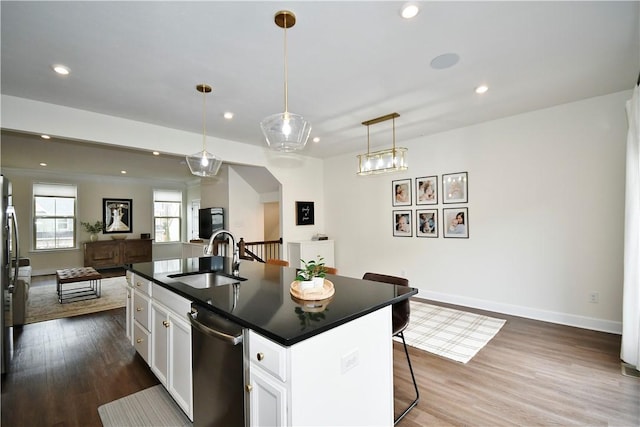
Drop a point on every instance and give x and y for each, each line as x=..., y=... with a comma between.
x=210, y=220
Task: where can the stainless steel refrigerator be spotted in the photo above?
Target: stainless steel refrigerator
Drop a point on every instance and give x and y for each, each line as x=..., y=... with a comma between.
x=10, y=255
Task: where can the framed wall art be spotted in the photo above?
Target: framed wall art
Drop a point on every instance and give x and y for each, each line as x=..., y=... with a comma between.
x=427, y=223
x=455, y=188
x=402, y=223
x=401, y=192
x=427, y=190
x=117, y=215
x=455, y=223
x=304, y=213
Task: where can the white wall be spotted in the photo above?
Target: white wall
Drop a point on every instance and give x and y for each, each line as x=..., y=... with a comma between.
x=546, y=200
x=301, y=177
x=90, y=190
x=246, y=212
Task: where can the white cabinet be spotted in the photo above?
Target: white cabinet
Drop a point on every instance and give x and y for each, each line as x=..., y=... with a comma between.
x=158, y=328
x=171, y=346
x=268, y=394
x=343, y=376
x=267, y=399
x=310, y=250
x=141, y=310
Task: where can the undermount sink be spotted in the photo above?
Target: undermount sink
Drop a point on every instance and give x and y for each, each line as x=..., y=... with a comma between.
x=206, y=280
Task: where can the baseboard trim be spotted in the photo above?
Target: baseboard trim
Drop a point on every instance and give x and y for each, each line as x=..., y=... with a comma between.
x=583, y=322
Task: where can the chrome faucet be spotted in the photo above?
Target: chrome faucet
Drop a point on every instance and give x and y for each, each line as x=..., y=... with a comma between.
x=235, y=262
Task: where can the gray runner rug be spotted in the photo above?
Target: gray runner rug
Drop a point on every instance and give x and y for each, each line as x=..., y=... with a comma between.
x=152, y=407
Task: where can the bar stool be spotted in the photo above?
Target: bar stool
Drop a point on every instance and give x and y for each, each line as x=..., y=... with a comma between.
x=400, y=316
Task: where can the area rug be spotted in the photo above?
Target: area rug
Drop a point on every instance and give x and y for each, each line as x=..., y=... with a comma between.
x=454, y=334
x=151, y=407
x=43, y=304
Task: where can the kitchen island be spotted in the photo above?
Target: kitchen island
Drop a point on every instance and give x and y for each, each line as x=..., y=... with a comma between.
x=326, y=364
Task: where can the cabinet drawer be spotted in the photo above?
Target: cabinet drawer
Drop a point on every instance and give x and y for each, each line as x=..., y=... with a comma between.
x=142, y=285
x=142, y=309
x=142, y=341
x=268, y=355
x=174, y=302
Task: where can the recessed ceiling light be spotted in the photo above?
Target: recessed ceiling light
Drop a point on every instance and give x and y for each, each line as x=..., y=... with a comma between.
x=409, y=10
x=43, y=164
x=228, y=115
x=61, y=69
x=123, y=172
x=316, y=139
x=45, y=137
x=482, y=89
x=156, y=153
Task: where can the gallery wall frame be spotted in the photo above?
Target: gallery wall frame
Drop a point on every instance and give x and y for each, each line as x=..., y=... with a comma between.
x=401, y=192
x=427, y=224
x=455, y=223
x=427, y=190
x=117, y=215
x=402, y=223
x=455, y=187
x=304, y=213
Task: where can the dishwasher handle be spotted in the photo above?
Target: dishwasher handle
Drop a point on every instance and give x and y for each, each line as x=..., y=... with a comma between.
x=231, y=338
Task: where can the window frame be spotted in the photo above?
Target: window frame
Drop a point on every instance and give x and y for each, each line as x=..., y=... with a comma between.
x=157, y=198
x=65, y=192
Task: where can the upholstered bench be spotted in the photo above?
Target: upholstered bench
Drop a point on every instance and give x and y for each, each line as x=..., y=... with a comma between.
x=75, y=275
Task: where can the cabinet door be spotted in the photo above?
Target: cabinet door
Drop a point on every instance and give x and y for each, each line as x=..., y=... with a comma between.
x=267, y=400
x=129, y=314
x=180, y=376
x=160, y=342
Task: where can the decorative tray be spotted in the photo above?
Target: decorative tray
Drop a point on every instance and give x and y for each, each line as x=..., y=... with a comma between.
x=312, y=294
x=312, y=306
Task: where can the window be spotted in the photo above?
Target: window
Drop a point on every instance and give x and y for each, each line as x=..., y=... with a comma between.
x=167, y=209
x=195, y=221
x=54, y=216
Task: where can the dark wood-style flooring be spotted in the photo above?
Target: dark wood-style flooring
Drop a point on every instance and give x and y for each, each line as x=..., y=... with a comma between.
x=531, y=374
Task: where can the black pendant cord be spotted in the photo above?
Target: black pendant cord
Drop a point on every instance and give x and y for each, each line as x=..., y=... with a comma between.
x=638, y=83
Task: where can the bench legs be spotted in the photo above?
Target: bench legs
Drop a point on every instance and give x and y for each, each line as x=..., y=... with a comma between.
x=90, y=290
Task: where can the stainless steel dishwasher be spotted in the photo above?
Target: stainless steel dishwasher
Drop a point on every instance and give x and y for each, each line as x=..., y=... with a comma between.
x=218, y=371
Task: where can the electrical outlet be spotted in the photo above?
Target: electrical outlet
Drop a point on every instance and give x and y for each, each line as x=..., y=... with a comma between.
x=594, y=297
x=349, y=361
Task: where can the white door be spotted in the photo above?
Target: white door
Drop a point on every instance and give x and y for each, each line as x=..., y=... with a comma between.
x=160, y=342
x=267, y=400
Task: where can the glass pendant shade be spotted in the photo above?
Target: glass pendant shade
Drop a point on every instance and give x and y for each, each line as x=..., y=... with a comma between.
x=204, y=164
x=286, y=131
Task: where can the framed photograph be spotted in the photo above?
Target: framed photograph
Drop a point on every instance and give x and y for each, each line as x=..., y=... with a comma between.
x=304, y=213
x=455, y=223
x=427, y=222
x=117, y=215
x=427, y=190
x=455, y=188
x=401, y=192
x=402, y=223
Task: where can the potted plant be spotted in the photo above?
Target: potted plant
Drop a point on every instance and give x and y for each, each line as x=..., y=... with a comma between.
x=93, y=229
x=312, y=271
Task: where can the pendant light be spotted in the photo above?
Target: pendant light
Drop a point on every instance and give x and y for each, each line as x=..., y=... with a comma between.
x=204, y=163
x=390, y=160
x=285, y=131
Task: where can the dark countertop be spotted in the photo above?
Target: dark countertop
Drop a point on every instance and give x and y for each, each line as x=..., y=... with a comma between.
x=263, y=301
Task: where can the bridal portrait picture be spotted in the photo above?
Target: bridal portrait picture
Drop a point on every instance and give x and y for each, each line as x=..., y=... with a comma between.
x=117, y=215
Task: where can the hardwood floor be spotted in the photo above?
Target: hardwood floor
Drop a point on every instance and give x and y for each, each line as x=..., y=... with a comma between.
x=531, y=374
x=63, y=369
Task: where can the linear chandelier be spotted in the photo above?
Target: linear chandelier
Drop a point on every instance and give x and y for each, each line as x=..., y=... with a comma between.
x=204, y=163
x=285, y=131
x=384, y=161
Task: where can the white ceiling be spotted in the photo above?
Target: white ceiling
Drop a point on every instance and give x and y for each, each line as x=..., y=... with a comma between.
x=348, y=62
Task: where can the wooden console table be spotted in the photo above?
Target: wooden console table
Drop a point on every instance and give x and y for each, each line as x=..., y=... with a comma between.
x=114, y=253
